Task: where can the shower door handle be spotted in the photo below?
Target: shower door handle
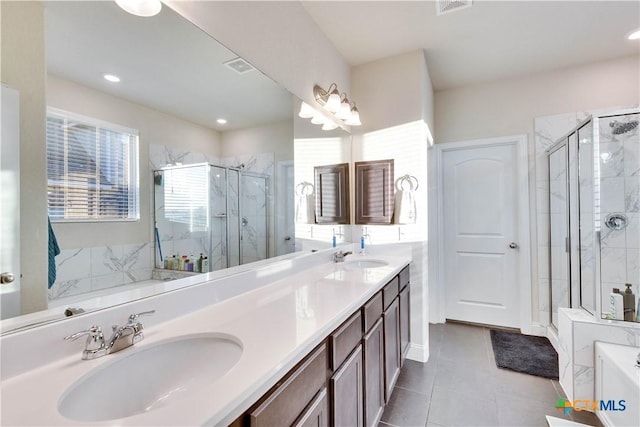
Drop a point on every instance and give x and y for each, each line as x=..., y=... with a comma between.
x=6, y=278
x=513, y=245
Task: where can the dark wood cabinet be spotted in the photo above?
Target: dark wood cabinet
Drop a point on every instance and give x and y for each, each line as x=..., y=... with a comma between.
x=374, y=192
x=347, y=392
x=391, y=319
x=348, y=379
x=317, y=414
x=373, y=343
x=287, y=401
x=332, y=194
x=405, y=318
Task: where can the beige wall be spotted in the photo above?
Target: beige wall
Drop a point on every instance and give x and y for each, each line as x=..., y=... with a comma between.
x=274, y=138
x=24, y=69
x=279, y=38
x=154, y=127
x=508, y=107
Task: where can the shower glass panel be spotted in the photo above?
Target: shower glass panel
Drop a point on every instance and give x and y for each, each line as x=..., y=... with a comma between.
x=586, y=217
x=560, y=295
x=203, y=211
x=618, y=163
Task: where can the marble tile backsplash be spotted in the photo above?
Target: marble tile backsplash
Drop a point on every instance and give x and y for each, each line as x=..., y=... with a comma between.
x=91, y=269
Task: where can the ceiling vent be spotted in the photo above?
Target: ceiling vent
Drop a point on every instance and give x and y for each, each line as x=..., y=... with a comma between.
x=239, y=65
x=446, y=6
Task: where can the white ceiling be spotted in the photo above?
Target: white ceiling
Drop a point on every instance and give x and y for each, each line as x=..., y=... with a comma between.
x=492, y=40
x=165, y=63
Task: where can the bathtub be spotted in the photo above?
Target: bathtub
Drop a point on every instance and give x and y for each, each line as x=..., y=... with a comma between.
x=617, y=384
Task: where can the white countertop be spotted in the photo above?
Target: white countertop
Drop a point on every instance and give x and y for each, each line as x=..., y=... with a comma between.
x=278, y=324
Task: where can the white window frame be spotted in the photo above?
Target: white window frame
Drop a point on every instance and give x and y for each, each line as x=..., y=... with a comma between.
x=134, y=166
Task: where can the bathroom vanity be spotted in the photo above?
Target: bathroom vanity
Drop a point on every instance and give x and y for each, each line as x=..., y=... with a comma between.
x=304, y=341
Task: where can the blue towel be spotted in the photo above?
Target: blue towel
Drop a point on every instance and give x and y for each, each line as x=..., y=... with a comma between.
x=54, y=250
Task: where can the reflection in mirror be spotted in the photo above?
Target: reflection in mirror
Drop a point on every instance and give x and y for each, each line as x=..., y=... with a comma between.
x=174, y=86
x=315, y=147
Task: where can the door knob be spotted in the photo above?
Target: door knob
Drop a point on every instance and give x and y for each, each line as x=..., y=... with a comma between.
x=513, y=245
x=6, y=278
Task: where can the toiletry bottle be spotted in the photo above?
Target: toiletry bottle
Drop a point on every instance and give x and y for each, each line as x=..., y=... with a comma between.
x=205, y=265
x=616, y=305
x=199, y=264
x=362, y=252
x=629, y=302
x=333, y=239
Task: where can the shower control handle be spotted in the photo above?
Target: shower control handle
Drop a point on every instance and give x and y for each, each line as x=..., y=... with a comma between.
x=513, y=245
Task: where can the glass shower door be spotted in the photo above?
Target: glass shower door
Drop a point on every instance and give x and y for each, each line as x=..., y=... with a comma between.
x=560, y=295
x=253, y=218
x=588, y=200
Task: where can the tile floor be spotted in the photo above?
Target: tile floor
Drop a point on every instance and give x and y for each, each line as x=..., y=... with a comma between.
x=460, y=385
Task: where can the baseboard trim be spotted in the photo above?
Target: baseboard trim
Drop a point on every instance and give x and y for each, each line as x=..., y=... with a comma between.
x=418, y=352
x=537, y=329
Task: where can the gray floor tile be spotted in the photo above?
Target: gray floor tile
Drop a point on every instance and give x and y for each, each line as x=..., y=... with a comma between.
x=455, y=376
x=514, y=384
x=418, y=377
x=585, y=417
x=406, y=408
x=463, y=407
x=516, y=412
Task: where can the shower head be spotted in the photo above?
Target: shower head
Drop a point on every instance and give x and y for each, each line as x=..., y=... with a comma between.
x=618, y=128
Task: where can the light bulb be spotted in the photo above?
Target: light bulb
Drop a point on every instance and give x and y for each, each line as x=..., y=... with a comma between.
x=329, y=125
x=306, y=111
x=354, y=120
x=318, y=119
x=344, y=113
x=333, y=102
x=634, y=36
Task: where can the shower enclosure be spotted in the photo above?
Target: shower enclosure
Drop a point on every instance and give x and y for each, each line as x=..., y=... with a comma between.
x=594, y=213
x=204, y=211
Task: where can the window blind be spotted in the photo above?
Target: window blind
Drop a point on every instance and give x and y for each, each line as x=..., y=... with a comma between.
x=186, y=196
x=92, y=169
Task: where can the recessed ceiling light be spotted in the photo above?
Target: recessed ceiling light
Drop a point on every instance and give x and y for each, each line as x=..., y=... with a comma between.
x=144, y=8
x=634, y=36
x=111, y=78
x=222, y=121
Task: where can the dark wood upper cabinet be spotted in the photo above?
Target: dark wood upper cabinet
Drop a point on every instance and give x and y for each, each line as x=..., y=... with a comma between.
x=374, y=192
x=332, y=194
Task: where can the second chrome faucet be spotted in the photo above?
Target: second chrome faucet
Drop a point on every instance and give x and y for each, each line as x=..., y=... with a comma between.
x=121, y=338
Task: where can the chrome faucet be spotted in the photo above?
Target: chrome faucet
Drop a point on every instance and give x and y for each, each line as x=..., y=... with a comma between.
x=339, y=256
x=122, y=337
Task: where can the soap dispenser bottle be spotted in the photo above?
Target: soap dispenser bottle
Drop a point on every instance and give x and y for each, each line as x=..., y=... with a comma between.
x=333, y=239
x=362, y=251
x=629, y=302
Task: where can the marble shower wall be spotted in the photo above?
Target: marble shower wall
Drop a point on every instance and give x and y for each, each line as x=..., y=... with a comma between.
x=620, y=182
x=92, y=269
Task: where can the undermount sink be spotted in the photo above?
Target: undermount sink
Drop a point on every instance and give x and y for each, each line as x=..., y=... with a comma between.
x=357, y=264
x=150, y=378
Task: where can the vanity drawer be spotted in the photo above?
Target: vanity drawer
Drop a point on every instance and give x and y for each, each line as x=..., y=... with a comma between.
x=288, y=400
x=404, y=277
x=344, y=339
x=372, y=311
x=390, y=292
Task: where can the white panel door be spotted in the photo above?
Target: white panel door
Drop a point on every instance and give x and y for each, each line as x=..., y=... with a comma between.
x=9, y=203
x=480, y=236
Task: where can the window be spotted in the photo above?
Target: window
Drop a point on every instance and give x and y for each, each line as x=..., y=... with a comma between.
x=92, y=169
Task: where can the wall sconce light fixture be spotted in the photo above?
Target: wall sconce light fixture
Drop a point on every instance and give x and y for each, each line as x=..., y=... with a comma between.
x=334, y=102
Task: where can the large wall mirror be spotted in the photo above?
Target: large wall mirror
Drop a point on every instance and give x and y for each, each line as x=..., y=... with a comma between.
x=315, y=149
x=176, y=86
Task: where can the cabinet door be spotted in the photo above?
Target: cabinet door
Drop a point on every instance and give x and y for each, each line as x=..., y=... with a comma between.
x=346, y=392
x=374, y=374
x=317, y=414
x=287, y=401
x=332, y=194
x=391, y=319
x=374, y=192
x=404, y=323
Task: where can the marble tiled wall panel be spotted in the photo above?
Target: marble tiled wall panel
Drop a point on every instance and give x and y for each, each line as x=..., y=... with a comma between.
x=577, y=332
x=90, y=269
